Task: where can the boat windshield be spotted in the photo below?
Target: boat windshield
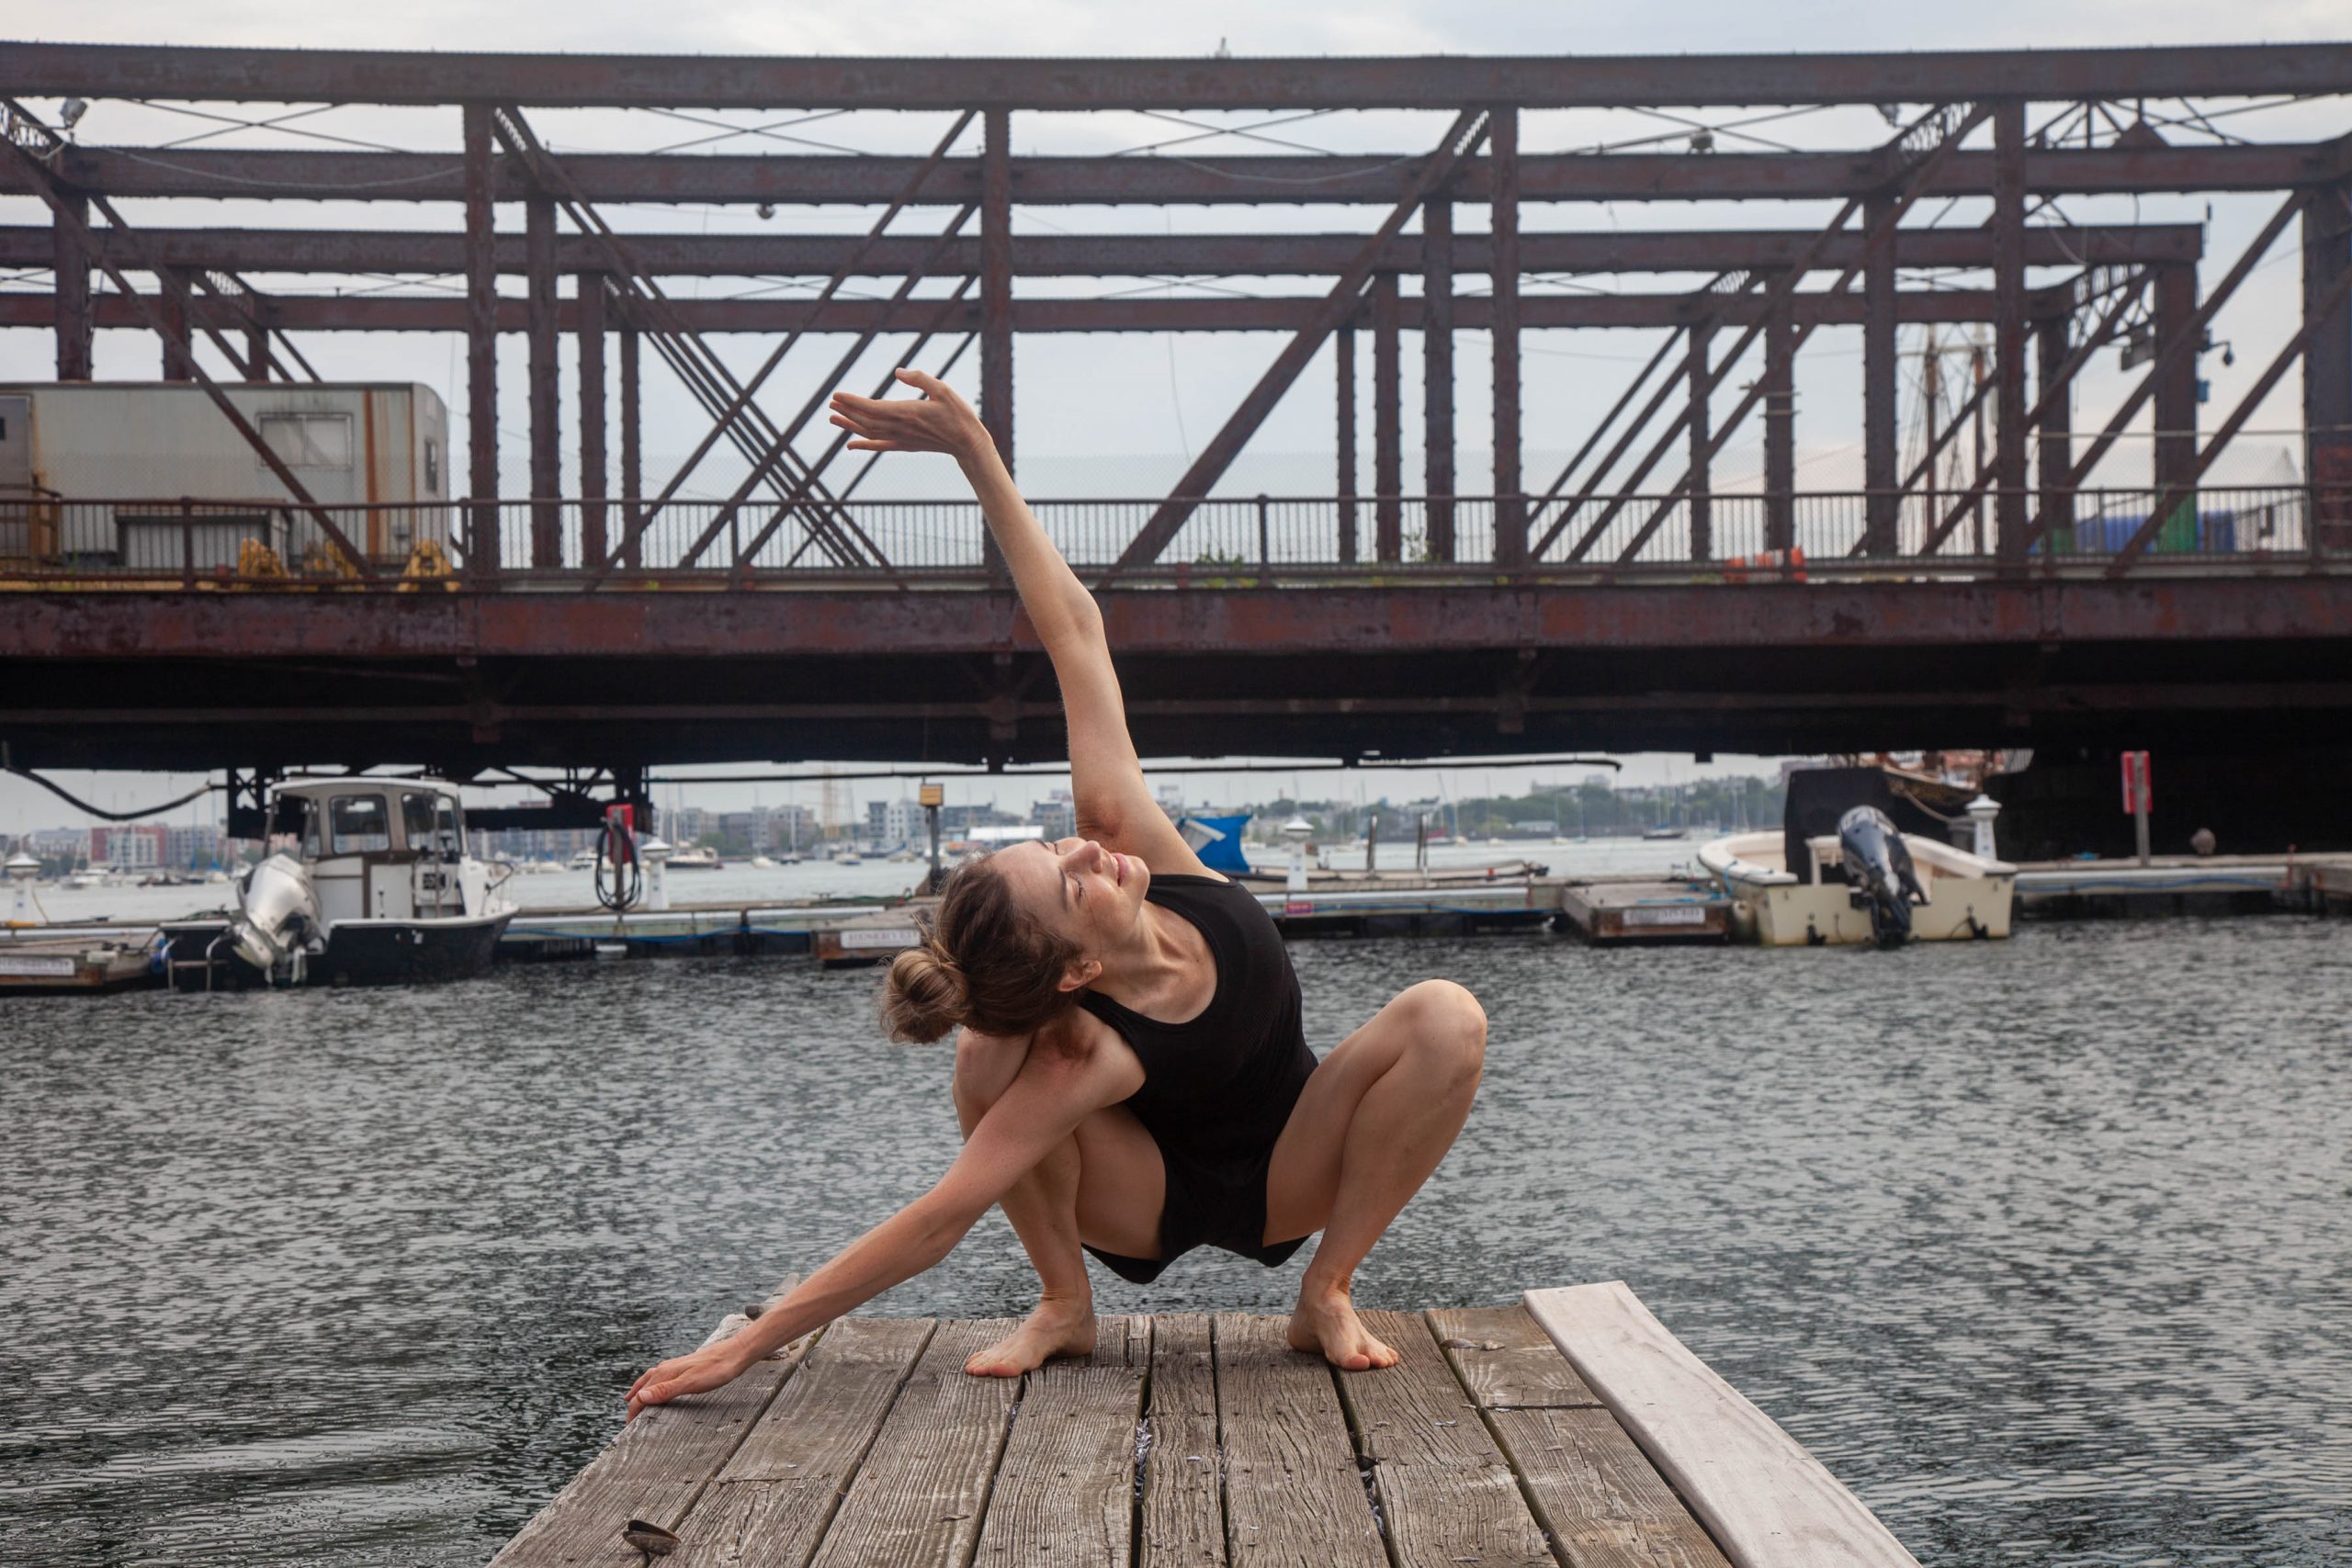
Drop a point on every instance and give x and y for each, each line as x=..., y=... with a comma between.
x=294, y=826
x=430, y=823
x=361, y=824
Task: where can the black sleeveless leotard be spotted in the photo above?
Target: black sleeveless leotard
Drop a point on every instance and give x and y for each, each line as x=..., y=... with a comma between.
x=1217, y=1091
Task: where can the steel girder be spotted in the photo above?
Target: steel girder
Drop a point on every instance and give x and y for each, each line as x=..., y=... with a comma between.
x=1440, y=82
x=1117, y=255
x=747, y=179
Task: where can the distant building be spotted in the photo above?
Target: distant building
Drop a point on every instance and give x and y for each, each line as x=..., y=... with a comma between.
x=895, y=822
x=682, y=824
x=1056, y=814
x=194, y=844
x=136, y=846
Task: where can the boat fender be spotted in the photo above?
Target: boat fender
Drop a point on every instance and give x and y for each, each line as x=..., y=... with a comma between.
x=1813, y=937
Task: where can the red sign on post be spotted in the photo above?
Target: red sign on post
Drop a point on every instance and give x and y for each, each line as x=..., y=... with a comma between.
x=2137, y=796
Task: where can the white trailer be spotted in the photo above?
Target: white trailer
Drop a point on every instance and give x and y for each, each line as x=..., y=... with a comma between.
x=93, y=473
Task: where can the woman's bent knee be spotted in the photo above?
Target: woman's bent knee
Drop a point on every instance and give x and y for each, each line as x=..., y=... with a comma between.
x=1449, y=1024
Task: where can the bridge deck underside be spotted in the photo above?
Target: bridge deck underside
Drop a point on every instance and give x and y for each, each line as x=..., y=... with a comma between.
x=467, y=681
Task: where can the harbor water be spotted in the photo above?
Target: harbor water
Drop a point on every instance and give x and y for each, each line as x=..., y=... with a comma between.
x=2043, y=1246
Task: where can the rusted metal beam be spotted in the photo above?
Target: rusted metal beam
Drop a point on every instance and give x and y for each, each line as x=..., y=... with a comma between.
x=1388, y=421
x=871, y=255
x=1780, y=389
x=632, y=448
x=72, y=269
x=1278, y=313
x=1437, y=377
x=481, y=348
x=2054, y=381
x=1417, y=82
x=19, y=137
x=1343, y=301
x=588, y=289
x=996, y=304
x=2327, y=365
x=1699, y=381
x=2009, y=498
x=1879, y=382
x=1344, y=400
x=2175, y=448
x=2181, y=490
x=176, y=347
x=1510, y=502
x=1362, y=179
x=544, y=383
x=1598, y=432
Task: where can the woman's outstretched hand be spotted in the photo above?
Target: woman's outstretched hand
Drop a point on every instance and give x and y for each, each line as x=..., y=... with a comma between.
x=713, y=1366
x=939, y=421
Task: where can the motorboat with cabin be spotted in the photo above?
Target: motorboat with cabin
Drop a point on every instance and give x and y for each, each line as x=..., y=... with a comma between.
x=1868, y=880
x=366, y=882
x=696, y=857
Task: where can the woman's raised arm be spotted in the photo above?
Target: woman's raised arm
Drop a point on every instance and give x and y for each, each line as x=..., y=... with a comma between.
x=1114, y=805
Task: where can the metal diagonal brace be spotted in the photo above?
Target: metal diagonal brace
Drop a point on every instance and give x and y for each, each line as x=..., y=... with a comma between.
x=705, y=374
x=1918, y=170
x=22, y=125
x=2322, y=313
x=2186, y=342
x=762, y=469
x=842, y=274
x=2060, y=386
x=1468, y=129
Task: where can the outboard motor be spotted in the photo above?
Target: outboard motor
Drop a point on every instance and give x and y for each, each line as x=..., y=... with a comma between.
x=278, y=916
x=1877, y=867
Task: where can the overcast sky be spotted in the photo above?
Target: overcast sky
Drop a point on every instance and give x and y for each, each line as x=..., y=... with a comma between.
x=1131, y=407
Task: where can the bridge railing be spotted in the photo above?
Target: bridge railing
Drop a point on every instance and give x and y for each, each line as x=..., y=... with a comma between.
x=150, y=543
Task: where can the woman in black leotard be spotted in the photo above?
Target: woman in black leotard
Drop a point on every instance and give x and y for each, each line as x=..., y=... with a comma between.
x=1130, y=1070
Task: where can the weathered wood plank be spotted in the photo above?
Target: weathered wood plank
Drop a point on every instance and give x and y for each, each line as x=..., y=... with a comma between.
x=1506, y=1359
x=919, y=1497
x=1446, y=1493
x=770, y=1505
x=1065, y=1490
x=1183, y=1515
x=655, y=1470
x=1293, y=1492
x=1768, y=1502
x=1596, y=1494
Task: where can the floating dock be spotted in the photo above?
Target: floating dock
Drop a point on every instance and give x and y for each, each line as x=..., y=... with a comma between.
x=77, y=961
x=1619, y=913
x=1571, y=1429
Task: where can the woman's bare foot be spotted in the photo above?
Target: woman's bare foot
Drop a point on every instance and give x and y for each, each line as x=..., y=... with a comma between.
x=1324, y=1320
x=1055, y=1328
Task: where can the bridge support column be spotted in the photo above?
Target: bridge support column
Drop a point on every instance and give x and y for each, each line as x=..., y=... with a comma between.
x=179, y=363
x=75, y=324
x=1881, y=505
x=1344, y=357
x=1387, y=420
x=588, y=288
x=1437, y=373
x=2327, y=369
x=547, y=435
x=2176, y=399
x=2009, y=510
x=996, y=299
x=1510, y=505
x=632, y=453
x=481, y=348
x=1701, y=425
x=258, y=360
x=1780, y=430
x=2055, y=455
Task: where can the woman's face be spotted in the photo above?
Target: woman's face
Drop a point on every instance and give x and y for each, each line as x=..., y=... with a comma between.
x=1081, y=891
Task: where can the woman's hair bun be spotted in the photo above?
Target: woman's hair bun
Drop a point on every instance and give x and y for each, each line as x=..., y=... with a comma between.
x=926, y=996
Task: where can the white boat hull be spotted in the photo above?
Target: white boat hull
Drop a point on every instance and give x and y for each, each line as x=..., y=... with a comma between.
x=1968, y=897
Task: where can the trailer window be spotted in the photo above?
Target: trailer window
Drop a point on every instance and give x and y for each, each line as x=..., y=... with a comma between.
x=309, y=440
x=432, y=465
x=360, y=824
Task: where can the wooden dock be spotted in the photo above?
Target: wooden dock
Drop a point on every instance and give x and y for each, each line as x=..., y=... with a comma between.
x=70, y=964
x=1620, y=911
x=1572, y=1429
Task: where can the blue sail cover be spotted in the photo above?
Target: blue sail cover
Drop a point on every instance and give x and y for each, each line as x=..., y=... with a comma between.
x=1218, y=840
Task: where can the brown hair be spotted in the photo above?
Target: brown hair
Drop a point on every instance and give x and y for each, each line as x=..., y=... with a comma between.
x=984, y=962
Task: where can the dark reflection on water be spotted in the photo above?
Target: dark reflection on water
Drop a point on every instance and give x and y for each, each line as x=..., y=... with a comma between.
x=2045, y=1246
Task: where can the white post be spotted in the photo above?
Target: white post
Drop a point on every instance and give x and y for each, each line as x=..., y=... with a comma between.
x=1297, y=830
x=1981, y=813
x=655, y=853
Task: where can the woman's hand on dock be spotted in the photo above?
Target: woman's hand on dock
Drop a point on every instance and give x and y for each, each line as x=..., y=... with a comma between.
x=713, y=1366
x=939, y=421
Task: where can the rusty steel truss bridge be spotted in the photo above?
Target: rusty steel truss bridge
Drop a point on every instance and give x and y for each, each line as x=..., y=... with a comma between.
x=611, y=619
